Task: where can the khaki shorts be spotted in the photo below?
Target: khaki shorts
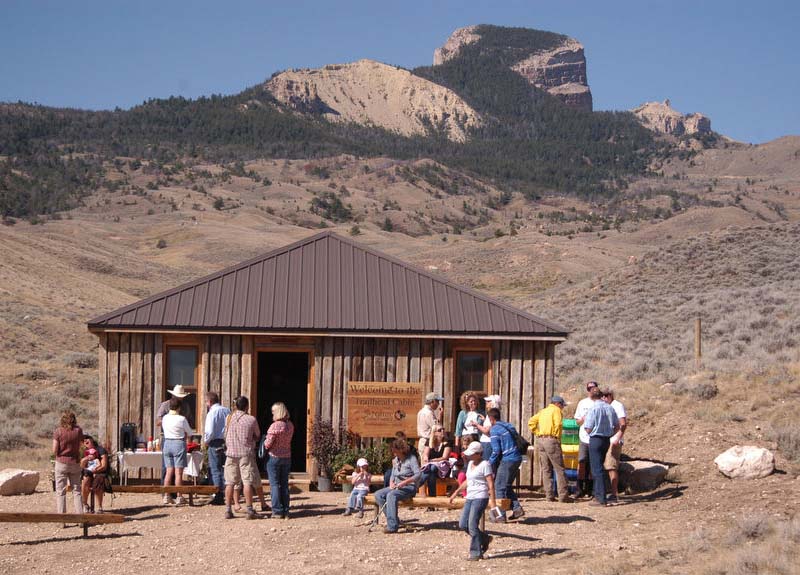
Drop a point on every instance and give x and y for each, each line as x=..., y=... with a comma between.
x=612, y=457
x=239, y=469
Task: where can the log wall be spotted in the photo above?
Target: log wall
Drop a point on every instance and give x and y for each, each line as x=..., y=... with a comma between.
x=132, y=371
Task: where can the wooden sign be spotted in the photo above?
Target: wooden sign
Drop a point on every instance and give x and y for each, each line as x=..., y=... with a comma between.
x=378, y=409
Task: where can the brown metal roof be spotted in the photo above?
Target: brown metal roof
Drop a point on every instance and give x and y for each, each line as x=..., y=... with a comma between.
x=326, y=283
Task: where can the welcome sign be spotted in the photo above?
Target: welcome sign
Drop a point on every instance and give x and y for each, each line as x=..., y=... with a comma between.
x=379, y=409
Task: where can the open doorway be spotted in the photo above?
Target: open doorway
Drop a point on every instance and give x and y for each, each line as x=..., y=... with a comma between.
x=283, y=376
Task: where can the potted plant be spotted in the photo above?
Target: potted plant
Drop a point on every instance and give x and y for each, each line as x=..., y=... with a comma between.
x=324, y=447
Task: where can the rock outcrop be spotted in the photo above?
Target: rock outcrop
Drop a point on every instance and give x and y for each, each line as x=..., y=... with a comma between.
x=560, y=70
x=18, y=481
x=457, y=40
x=662, y=118
x=372, y=93
x=745, y=462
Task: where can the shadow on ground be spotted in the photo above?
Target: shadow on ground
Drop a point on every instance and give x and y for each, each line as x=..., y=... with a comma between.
x=91, y=537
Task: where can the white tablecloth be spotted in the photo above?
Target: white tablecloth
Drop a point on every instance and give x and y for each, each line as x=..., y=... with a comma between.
x=130, y=460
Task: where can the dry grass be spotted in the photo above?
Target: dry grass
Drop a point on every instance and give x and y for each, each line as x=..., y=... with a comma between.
x=761, y=545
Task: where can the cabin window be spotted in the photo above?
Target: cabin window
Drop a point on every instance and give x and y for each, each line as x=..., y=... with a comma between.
x=182, y=364
x=472, y=372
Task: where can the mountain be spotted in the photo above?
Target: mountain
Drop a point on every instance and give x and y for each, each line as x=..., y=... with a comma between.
x=375, y=94
x=475, y=113
x=551, y=62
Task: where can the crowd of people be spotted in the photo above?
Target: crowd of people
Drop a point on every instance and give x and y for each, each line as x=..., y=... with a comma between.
x=484, y=456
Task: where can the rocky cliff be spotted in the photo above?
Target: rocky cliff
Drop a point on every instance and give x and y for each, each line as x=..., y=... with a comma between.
x=371, y=93
x=560, y=70
x=662, y=118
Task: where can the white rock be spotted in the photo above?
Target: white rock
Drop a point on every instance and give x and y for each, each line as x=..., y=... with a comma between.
x=746, y=462
x=18, y=481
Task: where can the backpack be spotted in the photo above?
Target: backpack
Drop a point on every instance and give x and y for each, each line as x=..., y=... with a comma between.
x=521, y=443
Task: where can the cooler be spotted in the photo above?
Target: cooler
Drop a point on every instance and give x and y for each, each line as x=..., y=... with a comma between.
x=569, y=432
x=570, y=453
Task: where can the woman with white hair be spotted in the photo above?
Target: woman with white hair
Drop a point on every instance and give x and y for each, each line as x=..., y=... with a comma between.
x=279, y=446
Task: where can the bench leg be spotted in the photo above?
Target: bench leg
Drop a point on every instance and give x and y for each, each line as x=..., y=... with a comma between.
x=191, y=499
x=85, y=530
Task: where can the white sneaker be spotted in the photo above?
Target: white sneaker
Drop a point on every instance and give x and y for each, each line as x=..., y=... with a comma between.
x=179, y=500
x=166, y=500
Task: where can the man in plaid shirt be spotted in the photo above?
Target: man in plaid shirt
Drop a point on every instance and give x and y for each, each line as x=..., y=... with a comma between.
x=242, y=433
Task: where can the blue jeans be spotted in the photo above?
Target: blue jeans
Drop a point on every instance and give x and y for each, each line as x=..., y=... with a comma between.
x=470, y=521
x=356, y=500
x=278, y=470
x=504, y=482
x=216, y=465
x=598, y=446
x=390, y=497
x=486, y=450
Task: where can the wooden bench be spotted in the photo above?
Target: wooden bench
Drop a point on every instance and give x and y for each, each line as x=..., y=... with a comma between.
x=190, y=490
x=84, y=519
x=420, y=501
x=438, y=503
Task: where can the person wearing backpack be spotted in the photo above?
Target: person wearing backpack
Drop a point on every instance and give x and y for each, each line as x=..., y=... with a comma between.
x=506, y=459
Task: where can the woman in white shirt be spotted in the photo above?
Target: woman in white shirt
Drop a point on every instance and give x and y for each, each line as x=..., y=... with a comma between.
x=480, y=492
x=176, y=430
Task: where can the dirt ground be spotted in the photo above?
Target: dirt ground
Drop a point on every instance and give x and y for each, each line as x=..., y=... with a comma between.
x=680, y=528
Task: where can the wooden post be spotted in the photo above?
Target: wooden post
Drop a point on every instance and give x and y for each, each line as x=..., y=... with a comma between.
x=698, y=349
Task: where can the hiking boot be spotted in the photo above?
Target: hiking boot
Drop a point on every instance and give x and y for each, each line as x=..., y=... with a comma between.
x=251, y=514
x=228, y=514
x=347, y=512
x=360, y=514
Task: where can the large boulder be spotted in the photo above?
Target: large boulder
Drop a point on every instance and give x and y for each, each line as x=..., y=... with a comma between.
x=637, y=475
x=18, y=481
x=746, y=462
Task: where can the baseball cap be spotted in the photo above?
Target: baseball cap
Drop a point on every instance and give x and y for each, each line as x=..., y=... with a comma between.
x=362, y=462
x=473, y=448
x=493, y=399
x=558, y=399
x=433, y=397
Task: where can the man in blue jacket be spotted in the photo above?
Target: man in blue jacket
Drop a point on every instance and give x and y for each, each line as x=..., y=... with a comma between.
x=505, y=460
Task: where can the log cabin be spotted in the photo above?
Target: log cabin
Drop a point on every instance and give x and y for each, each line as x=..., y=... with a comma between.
x=302, y=322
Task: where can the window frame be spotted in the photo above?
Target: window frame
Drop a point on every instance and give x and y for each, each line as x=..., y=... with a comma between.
x=488, y=376
x=196, y=387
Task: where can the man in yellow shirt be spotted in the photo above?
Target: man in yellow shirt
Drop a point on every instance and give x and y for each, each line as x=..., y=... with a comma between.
x=546, y=427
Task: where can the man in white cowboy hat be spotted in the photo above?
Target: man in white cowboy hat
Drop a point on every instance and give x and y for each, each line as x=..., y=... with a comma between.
x=163, y=409
x=427, y=417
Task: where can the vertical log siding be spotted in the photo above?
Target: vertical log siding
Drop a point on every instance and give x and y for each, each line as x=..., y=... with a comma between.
x=132, y=379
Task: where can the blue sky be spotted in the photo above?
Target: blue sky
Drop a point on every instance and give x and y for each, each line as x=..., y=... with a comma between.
x=734, y=61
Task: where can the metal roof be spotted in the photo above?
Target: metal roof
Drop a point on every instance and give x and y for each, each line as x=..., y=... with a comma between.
x=326, y=284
